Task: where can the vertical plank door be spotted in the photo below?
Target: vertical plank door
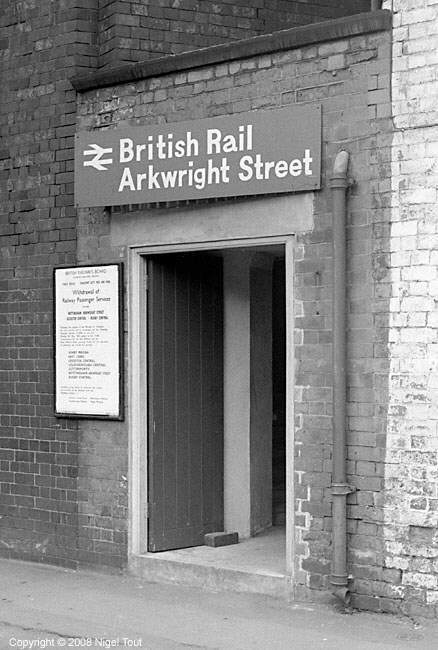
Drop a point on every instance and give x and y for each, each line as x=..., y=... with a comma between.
x=185, y=399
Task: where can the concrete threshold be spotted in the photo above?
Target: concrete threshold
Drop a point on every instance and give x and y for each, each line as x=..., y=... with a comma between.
x=256, y=565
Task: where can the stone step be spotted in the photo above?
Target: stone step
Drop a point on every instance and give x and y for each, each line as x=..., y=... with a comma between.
x=152, y=568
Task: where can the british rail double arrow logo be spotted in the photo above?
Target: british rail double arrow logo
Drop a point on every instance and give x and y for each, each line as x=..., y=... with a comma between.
x=98, y=162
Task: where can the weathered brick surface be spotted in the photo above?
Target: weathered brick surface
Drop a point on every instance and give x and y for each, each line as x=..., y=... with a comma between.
x=41, y=44
x=409, y=501
x=351, y=79
x=133, y=31
x=63, y=489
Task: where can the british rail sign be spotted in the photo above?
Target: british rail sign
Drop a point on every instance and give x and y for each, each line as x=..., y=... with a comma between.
x=259, y=152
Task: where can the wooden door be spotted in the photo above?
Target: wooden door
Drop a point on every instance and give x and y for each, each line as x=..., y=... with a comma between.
x=185, y=379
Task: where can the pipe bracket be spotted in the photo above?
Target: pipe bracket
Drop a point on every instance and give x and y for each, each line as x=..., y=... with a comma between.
x=342, y=489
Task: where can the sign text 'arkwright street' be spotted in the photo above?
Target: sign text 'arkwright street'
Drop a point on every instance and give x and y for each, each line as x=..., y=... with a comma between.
x=260, y=152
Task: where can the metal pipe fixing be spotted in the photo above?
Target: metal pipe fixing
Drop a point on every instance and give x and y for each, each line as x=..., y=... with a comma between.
x=340, y=488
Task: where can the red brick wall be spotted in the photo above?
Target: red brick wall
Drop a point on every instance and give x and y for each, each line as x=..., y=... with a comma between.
x=279, y=14
x=137, y=30
x=41, y=43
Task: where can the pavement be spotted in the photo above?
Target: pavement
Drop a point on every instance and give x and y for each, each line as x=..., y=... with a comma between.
x=43, y=607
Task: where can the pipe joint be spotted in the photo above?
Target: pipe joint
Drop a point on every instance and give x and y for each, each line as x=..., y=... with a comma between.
x=342, y=489
x=339, y=182
x=339, y=579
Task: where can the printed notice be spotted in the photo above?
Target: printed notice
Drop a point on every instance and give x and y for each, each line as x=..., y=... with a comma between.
x=87, y=345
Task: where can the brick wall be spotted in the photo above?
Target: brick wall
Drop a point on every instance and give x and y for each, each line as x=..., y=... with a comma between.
x=357, y=118
x=41, y=43
x=351, y=79
x=63, y=491
x=57, y=503
x=133, y=31
x=410, y=513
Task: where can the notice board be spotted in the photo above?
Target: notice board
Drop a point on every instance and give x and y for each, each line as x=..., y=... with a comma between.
x=88, y=341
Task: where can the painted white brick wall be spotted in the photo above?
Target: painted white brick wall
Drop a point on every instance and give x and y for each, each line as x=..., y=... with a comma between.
x=411, y=474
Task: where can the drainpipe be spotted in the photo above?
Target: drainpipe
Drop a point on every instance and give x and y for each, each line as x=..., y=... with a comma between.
x=340, y=488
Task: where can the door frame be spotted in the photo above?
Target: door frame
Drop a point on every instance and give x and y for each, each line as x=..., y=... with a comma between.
x=137, y=381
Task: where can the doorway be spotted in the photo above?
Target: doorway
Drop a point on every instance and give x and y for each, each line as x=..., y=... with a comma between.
x=216, y=387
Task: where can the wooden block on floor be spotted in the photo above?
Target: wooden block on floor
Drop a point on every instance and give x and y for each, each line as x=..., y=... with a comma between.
x=221, y=539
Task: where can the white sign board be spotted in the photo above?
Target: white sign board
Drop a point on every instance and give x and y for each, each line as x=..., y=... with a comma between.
x=88, y=341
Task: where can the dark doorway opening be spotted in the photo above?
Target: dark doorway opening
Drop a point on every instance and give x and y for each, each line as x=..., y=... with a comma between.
x=213, y=467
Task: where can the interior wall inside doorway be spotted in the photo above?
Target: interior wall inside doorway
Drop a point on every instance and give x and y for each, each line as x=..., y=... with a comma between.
x=254, y=303
x=278, y=392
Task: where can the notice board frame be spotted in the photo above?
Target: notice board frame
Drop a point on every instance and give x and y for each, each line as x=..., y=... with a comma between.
x=121, y=344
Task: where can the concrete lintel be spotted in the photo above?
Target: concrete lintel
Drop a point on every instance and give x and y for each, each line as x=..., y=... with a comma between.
x=265, y=217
